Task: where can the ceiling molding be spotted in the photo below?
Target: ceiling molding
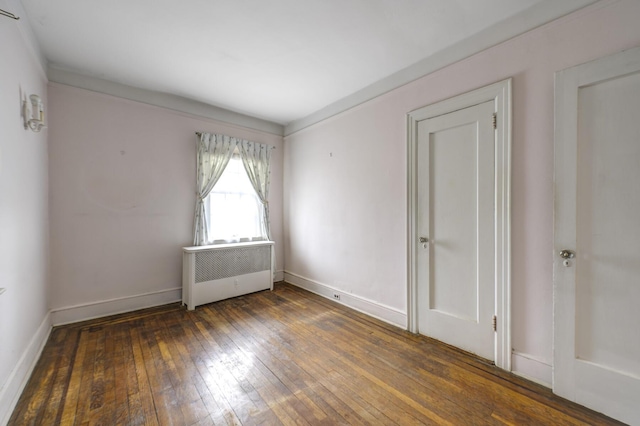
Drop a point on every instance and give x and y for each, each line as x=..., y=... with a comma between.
x=521, y=23
x=164, y=100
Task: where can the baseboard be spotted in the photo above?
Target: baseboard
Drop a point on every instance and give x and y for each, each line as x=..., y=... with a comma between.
x=366, y=306
x=12, y=389
x=120, y=305
x=278, y=276
x=532, y=368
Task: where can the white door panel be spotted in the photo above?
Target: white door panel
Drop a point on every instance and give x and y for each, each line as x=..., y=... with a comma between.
x=597, y=293
x=455, y=268
x=454, y=240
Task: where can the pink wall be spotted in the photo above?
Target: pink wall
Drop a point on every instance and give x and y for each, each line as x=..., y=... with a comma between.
x=346, y=211
x=24, y=227
x=122, y=186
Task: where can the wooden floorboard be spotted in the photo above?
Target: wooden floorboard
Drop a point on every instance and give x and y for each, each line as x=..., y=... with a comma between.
x=286, y=357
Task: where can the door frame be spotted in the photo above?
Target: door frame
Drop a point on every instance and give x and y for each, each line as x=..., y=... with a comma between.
x=500, y=94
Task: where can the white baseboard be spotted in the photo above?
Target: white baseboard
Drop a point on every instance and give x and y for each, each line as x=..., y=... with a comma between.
x=278, y=276
x=532, y=368
x=366, y=306
x=12, y=389
x=120, y=305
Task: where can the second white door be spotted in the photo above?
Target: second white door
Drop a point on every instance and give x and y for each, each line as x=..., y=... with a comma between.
x=455, y=225
x=596, y=357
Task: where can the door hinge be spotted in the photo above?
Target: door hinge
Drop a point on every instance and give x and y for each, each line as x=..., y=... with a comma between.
x=495, y=323
x=495, y=120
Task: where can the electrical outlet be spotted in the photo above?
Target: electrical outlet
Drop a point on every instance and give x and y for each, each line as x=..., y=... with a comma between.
x=336, y=296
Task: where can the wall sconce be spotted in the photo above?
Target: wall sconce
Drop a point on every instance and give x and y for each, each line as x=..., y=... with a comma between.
x=33, y=114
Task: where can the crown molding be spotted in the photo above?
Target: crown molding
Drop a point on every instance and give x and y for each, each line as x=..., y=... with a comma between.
x=164, y=100
x=527, y=20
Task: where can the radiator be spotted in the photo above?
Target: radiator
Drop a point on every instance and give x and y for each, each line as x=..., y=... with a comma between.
x=217, y=272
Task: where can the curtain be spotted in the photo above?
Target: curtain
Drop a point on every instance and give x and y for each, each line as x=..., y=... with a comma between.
x=256, y=160
x=214, y=153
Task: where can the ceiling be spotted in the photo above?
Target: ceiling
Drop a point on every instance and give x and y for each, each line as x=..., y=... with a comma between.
x=278, y=60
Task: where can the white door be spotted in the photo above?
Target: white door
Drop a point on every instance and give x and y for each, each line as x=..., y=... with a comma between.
x=455, y=259
x=597, y=236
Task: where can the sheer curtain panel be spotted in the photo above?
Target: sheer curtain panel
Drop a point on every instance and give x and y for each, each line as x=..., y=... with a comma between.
x=213, y=154
x=256, y=160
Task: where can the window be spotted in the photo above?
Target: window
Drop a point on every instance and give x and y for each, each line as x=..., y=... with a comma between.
x=234, y=211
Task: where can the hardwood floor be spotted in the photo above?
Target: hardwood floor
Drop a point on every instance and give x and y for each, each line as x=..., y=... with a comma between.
x=270, y=358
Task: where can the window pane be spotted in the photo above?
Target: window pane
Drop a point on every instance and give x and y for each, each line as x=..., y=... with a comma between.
x=233, y=208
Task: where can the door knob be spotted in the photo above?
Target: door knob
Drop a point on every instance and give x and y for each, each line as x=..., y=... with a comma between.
x=423, y=240
x=567, y=254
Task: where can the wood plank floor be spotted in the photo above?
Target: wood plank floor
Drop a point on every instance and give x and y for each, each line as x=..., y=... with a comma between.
x=270, y=358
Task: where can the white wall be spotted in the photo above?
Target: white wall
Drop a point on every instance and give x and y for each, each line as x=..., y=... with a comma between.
x=24, y=229
x=345, y=177
x=122, y=200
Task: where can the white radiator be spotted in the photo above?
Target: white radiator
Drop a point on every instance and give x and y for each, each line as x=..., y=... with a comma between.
x=217, y=272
